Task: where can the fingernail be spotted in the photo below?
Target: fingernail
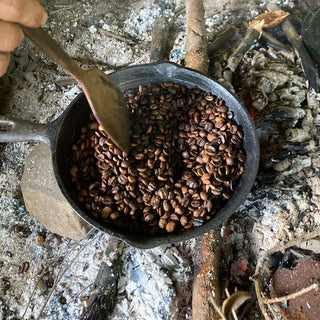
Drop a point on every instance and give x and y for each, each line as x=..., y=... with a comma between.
x=44, y=18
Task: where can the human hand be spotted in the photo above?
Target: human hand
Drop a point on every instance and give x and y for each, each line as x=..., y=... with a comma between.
x=29, y=13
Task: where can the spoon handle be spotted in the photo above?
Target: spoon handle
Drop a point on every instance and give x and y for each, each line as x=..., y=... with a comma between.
x=53, y=50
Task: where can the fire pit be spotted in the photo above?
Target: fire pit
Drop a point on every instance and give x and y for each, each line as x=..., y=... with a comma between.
x=284, y=202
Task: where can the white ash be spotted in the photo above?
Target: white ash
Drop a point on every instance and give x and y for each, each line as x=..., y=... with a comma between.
x=155, y=283
x=141, y=21
x=178, y=50
x=31, y=288
x=218, y=22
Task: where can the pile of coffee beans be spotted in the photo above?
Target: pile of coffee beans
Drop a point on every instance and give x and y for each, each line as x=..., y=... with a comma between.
x=185, y=157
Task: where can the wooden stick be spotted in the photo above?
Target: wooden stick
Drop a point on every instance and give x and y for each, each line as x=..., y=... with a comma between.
x=205, y=283
x=218, y=309
x=159, y=39
x=196, y=42
x=206, y=279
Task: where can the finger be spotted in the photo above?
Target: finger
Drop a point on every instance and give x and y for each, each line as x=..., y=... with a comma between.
x=4, y=62
x=29, y=13
x=11, y=35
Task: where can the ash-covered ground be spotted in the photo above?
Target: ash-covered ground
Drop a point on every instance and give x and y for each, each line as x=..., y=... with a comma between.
x=40, y=271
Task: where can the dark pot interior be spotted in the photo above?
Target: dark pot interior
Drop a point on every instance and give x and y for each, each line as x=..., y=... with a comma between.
x=76, y=116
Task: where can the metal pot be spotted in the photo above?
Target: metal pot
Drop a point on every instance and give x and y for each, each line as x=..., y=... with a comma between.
x=61, y=134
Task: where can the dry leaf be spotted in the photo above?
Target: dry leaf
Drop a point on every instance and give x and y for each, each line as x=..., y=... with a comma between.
x=234, y=302
x=268, y=19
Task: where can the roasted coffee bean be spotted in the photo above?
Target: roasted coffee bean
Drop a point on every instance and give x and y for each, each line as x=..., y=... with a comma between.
x=166, y=205
x=105, y=212
x=170, y=226
x=123, y=179
x=179, y=209
x=162, y=223
x=204, y=195
x=149, y=217
x=229, y=161
x=185, y=158
x=163, y=193
x=184, y=220
x=114, y=215
x=186, y=202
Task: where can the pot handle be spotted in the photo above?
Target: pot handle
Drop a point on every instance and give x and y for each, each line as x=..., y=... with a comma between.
x=15, y=130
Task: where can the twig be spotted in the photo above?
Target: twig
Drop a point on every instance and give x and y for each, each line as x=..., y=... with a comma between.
x=115, y=36
x=88, y=63
x=206, y=276
x=179, y=11
x=63, y=8
x=81, y=291
x=217, y=308
x=314, y=286
x=59, y=276
x=233, y=311
x=257, y=286
x=33, y=292
x=206, y=257
x=196, y=42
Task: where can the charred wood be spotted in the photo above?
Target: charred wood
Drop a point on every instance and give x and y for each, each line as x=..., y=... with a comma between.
x=285, y=115
x=101, y=300
x=223, y=40
x=233, y=61
x=309, y=68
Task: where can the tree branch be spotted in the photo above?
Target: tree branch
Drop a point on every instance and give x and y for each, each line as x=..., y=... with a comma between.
x=196, y=42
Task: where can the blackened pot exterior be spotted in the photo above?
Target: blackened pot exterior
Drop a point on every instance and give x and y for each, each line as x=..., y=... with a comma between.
x=68, y=130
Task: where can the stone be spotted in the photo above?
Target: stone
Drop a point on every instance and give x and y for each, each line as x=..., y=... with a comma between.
x=44, y=199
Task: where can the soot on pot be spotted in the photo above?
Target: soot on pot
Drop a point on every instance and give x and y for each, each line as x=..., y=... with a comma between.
x=185, y=158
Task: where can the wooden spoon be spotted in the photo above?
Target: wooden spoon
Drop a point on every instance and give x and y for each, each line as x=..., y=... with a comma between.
x=104, y=97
